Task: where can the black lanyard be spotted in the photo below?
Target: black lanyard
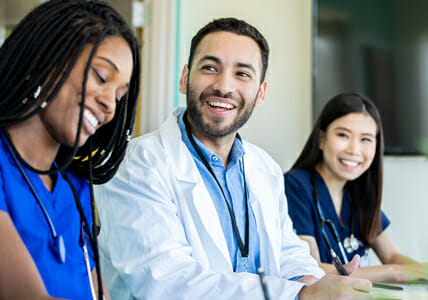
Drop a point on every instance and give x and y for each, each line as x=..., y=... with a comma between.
x=243, y=248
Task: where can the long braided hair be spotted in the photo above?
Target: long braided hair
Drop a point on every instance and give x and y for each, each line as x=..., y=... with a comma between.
x=42, y=50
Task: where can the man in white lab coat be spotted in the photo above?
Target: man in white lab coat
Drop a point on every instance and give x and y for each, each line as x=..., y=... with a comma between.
x=194, y=211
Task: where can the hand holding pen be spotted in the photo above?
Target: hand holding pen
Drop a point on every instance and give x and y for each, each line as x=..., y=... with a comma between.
x=338, y=264
x=342, y=271
x=332, y=286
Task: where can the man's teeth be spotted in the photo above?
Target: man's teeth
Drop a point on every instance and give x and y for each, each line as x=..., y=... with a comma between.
x=349, y=163
x=221, y=104
x=91, y=118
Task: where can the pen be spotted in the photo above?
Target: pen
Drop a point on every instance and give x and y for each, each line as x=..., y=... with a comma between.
x=341, y=270
x=387, y=286
x=338, y=265
x=260, y=271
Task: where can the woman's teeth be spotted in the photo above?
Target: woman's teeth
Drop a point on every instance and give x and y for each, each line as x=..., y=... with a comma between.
x=91, y=118
x=349, y=163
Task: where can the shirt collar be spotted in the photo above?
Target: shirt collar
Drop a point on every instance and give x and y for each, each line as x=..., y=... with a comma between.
x=236, y=153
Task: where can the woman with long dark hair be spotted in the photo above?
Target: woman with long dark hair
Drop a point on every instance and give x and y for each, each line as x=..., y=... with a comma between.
x=334, y=191
x=69, y=81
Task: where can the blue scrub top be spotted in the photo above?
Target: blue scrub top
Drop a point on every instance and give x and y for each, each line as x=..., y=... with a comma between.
x=69, y=280
x=306, y=221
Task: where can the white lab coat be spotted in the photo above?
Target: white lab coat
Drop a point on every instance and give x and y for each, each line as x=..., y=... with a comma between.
x=161, y=237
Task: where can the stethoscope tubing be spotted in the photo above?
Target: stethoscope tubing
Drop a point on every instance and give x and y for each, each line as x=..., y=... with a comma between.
x=330, y=224
x=55, y=236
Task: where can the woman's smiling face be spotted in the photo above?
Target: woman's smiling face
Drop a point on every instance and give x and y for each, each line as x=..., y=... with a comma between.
x=348, y=146
x=108, y=79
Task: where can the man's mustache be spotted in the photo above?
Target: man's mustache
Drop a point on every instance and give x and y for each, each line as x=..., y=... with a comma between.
x=216, y=93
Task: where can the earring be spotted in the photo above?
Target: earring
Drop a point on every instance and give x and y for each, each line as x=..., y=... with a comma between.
x=36, y=94
x=128, y=135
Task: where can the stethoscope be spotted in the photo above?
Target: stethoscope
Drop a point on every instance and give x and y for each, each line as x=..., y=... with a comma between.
x=350, y=243
x=59, y=248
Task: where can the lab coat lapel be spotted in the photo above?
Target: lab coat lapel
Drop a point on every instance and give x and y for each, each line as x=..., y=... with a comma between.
x=190, y=186
x=263, y=202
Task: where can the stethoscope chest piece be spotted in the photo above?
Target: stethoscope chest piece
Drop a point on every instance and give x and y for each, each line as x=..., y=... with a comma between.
x=351, y=243
x=59, y=249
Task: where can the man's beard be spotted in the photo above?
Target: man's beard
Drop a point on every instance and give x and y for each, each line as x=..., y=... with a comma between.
x=195, y=114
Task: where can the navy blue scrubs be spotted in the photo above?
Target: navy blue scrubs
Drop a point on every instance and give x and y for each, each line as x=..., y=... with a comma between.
x=306, y=221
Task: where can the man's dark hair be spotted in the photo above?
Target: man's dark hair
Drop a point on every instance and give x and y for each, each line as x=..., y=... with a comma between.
x=235, y=26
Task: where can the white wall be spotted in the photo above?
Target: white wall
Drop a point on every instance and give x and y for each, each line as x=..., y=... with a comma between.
x=405, y=202
x=282, y=125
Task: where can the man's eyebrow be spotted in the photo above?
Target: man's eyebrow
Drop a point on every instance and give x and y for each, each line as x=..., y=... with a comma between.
x=109, y=61
x=218, y=61
x=246, y=66
x=209, y=57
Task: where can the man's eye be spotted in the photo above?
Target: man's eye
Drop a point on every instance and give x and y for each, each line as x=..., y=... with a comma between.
x=243, y=74
x=208, y=68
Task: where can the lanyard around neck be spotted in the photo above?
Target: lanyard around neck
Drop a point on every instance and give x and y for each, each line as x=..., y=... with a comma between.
x=243, y=248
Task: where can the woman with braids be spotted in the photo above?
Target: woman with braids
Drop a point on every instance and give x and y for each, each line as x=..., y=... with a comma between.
x=334, y=192
x=69, y=77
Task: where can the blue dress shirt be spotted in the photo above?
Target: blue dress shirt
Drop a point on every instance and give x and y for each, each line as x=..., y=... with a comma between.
x=232, y=183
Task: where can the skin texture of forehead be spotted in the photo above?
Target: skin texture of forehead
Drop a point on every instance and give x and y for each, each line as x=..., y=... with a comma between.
x=227, y=36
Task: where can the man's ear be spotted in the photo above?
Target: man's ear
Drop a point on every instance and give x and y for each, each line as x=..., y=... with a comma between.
x=183, y=80
x=261, y=94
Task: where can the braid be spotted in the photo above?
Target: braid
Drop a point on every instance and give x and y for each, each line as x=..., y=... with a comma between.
x=42, y=50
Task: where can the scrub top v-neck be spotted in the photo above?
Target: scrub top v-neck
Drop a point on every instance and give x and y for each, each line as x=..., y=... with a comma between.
x=306, y=220
x=65, y=280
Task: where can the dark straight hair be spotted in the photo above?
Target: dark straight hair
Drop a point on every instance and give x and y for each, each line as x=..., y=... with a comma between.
x=238, y=27
x=365, y=191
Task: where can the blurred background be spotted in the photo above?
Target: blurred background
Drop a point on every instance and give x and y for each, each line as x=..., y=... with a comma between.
x=318, y=49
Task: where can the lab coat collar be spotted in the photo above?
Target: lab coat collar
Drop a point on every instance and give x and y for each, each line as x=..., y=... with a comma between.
x=259, y=178
x=191, y=183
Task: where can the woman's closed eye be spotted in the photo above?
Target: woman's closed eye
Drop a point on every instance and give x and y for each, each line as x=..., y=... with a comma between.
x=100, y=78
